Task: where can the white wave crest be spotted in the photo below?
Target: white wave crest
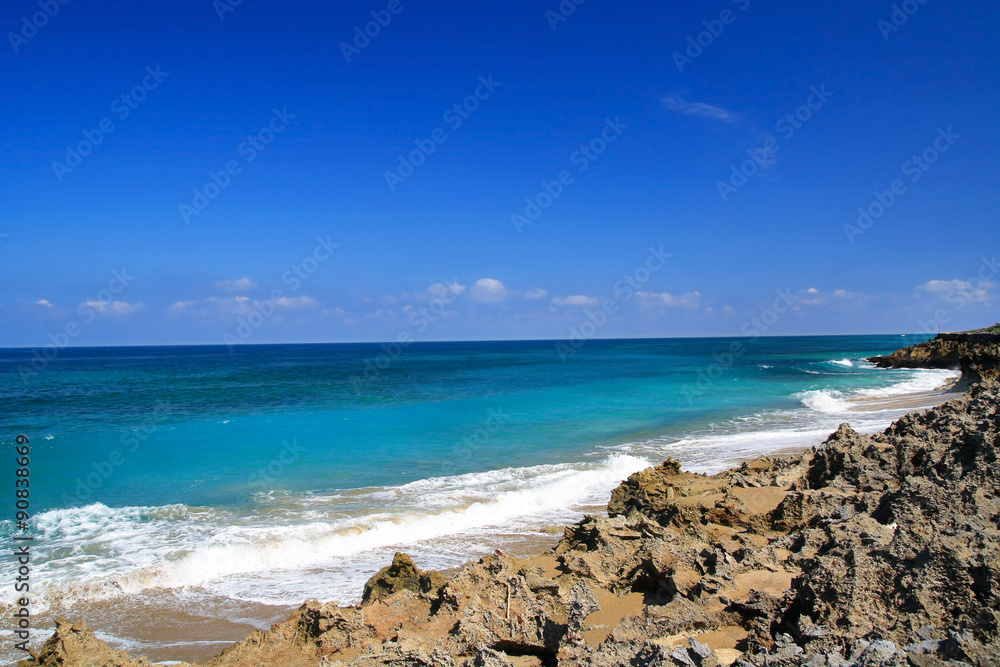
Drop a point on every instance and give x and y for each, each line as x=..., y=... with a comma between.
x=100, y=552
x=832, y=401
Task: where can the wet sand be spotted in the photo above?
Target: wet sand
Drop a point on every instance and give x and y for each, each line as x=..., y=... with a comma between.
x=163, y=627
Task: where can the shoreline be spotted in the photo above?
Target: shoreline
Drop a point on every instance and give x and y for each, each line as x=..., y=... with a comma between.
x=180, y=636
x=168, y=633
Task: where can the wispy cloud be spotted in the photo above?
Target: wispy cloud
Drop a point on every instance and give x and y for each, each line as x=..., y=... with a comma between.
x=179, y=307
x=836, y=298
x=576, y=301
x=113, y=307
x=686, y=300
x=296, y=302
x=699, y=109
x=230, y=306
x=961, y=288
x=449, y=290
x=484, y=290
x=238, y=285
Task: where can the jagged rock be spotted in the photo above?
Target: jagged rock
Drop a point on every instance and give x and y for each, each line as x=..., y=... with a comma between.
x=74, y=645
x=487, y=657
x=701, y=650
x=402, y=575
x=647, y=492
x=680, y=656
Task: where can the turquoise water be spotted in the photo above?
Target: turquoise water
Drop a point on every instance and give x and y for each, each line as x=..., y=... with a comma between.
x=194, y=425
x=217, y=475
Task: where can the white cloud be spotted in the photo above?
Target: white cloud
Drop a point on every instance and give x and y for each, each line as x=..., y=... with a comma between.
x=337, y=312
x=296, y=302
x=113, y=307
x=815, y=297
x=43, y=302
x=230, y=306
x=577, y=301
x=855, y=298
x=238, y=285
x=212, y=306
x=534, y=294
x=438, y=290
x=489, y=290
x=963, y=288
x=686, y=300
x=700, y=109
x=936, y=286
x=179, y=307
x=811, y=297
x=948, y=286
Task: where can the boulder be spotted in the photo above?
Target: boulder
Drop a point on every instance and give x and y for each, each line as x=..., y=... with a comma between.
x=402, y=575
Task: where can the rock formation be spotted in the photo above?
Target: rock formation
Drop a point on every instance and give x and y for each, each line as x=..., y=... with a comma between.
x=74, y=645
x=976, y=354
x=402, y=575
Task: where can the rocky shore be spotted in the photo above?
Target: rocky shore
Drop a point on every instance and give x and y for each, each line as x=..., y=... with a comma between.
x=871, y=550
x=976, y=354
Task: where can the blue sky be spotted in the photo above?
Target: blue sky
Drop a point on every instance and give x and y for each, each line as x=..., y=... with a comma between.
x=638, y=130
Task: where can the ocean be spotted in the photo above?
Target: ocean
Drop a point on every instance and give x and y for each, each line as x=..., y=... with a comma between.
x=204, y=483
